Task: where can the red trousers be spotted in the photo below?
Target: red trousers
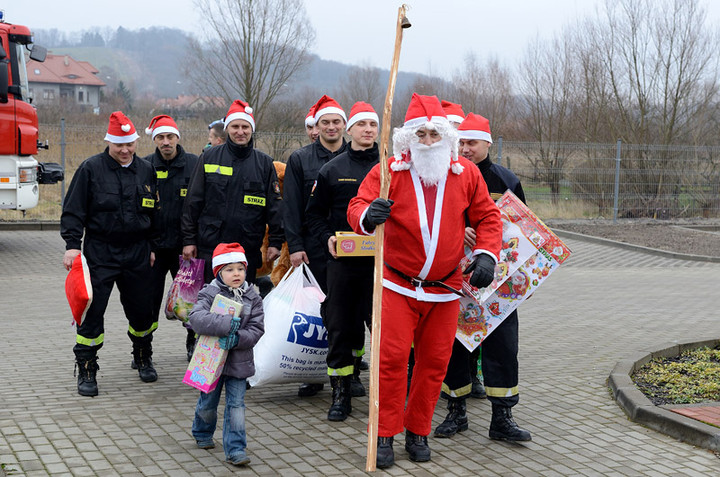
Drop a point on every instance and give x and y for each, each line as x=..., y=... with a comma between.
x=431, y=327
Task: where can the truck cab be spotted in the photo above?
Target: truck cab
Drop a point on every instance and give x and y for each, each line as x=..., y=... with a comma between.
x=20, y=173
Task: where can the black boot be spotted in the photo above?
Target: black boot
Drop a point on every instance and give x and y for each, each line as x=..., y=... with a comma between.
x=86, y=373
x=341, y=405
x=310, y=389
x=504, y=428
x=417, y=447
x=478, y=389
x=190, y=343
x=356, y=386
x=385, y=456
x=456, y=420
x=142, y=354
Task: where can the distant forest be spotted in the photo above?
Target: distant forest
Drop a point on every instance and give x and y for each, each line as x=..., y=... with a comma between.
x=149, y=61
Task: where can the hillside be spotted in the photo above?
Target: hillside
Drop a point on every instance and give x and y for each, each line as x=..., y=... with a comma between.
x=157, y=72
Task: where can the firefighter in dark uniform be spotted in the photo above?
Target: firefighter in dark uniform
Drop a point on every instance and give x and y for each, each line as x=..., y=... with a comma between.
x=111, y=200
x=347, y=308
x=302, y=170
x=173, y=166
x=234, y=193
x=500, y=348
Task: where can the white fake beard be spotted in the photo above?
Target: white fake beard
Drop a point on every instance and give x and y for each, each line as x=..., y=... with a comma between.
x=431, y=162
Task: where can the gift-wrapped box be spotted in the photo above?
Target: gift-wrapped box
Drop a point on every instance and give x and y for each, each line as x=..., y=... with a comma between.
x=208, y=359
x=530, y=253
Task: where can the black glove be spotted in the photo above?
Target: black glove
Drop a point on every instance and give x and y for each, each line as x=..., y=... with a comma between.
x=483, y=270
x=377, y=213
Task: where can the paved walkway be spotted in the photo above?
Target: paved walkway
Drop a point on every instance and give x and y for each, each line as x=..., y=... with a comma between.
x=603, y=305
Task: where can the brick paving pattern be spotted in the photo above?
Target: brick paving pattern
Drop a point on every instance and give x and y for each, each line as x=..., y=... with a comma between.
x=603, y=305
x=703, y=413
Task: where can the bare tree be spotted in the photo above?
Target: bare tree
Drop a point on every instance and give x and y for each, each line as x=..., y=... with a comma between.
x=548, y=87
x=485, y=89
x=658, y=56
x=362, y=83
x=250, y=49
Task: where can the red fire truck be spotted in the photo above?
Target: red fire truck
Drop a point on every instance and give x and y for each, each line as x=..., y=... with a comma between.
x=20, y=173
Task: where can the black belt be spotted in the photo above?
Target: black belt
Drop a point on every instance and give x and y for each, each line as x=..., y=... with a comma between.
x=419, y=282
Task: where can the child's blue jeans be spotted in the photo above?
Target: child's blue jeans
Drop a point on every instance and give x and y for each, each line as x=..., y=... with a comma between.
x=234, y=439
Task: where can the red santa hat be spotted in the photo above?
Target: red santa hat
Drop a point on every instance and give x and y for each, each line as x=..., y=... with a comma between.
x=453, y=111
x=162, y=124
x=475, y=127
x=240, y=110
x=362, y=111
x=327, y=105
x=424, y=111
x=78, y=289
x=310, y=118
x=120, y=129
x=227, y=253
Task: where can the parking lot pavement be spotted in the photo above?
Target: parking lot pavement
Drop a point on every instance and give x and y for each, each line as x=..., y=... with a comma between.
x=602, y=306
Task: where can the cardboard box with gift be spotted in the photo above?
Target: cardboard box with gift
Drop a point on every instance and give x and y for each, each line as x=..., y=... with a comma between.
x=530, y=253
x=350, y=244
x=208, y=359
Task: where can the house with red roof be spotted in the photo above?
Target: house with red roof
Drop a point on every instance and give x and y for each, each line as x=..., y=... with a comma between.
x=61, y=77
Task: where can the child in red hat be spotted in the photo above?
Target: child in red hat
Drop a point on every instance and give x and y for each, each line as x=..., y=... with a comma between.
x=239, y=334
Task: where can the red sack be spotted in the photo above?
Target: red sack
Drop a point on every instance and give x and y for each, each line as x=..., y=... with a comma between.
x=79, y=289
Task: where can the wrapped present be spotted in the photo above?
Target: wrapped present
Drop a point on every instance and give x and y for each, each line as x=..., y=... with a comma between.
x=208, y=359
x=530, y=253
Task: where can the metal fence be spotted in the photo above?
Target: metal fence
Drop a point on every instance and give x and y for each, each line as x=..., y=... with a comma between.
x=561, y=180
x=618, y=180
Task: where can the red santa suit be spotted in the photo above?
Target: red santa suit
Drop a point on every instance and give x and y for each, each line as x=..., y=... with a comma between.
x=424, y=239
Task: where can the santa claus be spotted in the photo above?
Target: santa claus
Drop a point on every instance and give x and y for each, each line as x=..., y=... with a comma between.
x=433, y=195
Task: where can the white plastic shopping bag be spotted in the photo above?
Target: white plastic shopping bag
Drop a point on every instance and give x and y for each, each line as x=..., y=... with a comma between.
x=294, y=346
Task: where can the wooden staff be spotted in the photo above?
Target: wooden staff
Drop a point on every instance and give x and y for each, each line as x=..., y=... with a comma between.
x=402, y=22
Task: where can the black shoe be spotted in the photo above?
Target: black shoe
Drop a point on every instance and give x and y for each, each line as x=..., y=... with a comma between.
x=385, y=456
x=456, y=419
x=417, y=447
x=341, y=406
x=504, y=428
x=143, y=360
x=86, y=373
x=133, y=364
x=364, y=366
x=310, y=389
x=478, y=389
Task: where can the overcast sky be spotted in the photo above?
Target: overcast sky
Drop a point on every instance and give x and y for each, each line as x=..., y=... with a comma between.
x=359, y=31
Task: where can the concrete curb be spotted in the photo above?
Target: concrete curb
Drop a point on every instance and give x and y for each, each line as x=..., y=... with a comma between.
x=31, y=225
x=637, y=248
x=641, y=410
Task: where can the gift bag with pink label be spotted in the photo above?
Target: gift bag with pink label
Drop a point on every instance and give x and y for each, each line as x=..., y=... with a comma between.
x=184, y=290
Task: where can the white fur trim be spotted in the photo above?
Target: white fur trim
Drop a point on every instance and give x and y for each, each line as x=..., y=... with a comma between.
x=400, y=166
x=121, y=139
x=310, y=121
x=475, y=134
x=457, y=168
x=163, y=130
x=330, y=110
x=362, y=116
x=240, y=115
x=419, y=122
x=231, y=257
x=455, y=118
